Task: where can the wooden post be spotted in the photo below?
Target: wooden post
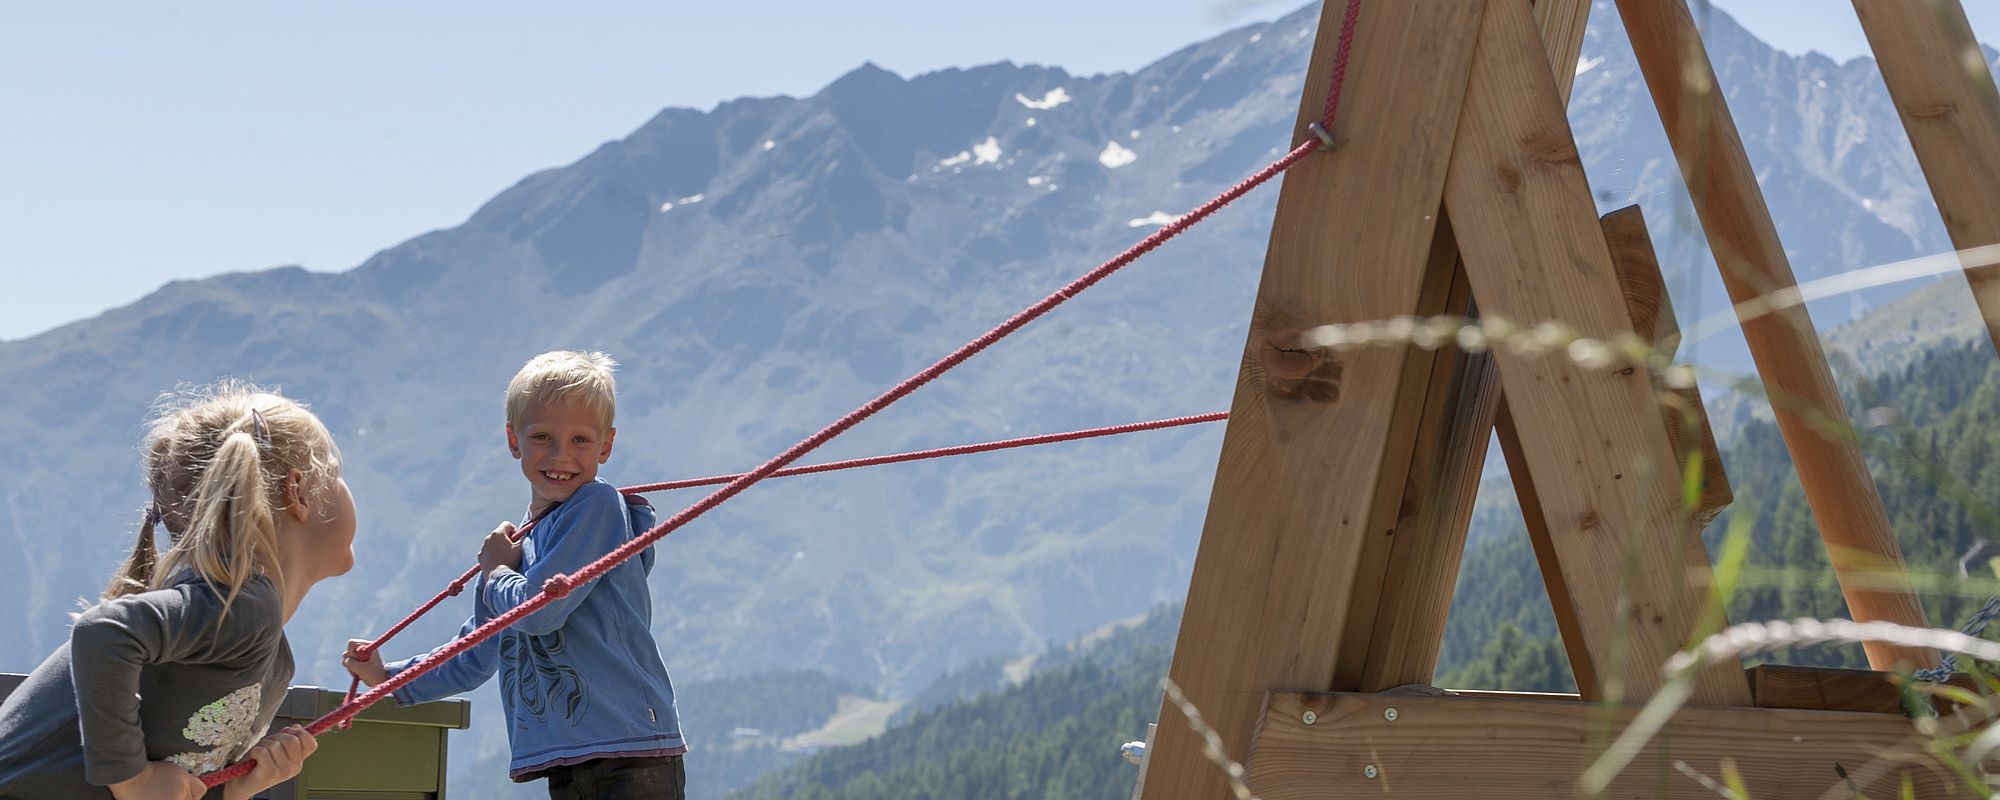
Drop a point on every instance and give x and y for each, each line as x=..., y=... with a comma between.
x=1938, y=78
x=1308, y=431
x=1652, y=314
x=1595, y=442
x=1452, y=747
x=1409, y=574
x=1427, y=508
x=1787, y=351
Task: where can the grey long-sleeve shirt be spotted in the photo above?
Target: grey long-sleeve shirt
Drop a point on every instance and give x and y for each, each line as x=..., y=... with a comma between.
x=156, y=676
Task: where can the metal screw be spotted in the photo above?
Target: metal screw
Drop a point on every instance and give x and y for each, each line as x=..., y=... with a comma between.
x=1309, y=717
x=1369, y=771
x=1389, y=714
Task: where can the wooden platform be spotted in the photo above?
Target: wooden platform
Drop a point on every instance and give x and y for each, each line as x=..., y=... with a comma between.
x=1316, y=745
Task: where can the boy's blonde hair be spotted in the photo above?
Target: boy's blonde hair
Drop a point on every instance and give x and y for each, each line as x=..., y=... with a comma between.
x=216, y=459
x=564, y=375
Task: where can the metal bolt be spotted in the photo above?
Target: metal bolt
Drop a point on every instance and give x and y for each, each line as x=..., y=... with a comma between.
x=1310, y=717
x=1389, y=714
x=1369, y=771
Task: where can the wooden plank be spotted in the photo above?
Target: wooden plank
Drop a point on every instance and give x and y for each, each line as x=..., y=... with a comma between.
x=1938, y=78
x=1788, y=686
x=1594, y=439
x=1423, y=502
x=1469, y=747
x=1562, y=24
x=1783, y=343
x=1647, y=303
x=1427, y=512
x=1831, y=689
x=1274, y=572
x=1652, y=314
x=1534, y=518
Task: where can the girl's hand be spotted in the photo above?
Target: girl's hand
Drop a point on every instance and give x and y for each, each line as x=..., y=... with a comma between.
x=371, y=671
x=500, y=550
x=279, y=758
x=160, y=780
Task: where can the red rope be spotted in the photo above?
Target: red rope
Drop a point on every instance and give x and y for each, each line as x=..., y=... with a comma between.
x=366, y=650
x=559, y=586
x=942, y=452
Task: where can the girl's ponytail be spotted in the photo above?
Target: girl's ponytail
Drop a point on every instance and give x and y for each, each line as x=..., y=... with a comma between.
x=233, y=532
x=136, y=574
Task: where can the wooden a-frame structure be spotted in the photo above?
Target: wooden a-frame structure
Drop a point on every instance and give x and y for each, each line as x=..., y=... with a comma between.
x=1344, y=488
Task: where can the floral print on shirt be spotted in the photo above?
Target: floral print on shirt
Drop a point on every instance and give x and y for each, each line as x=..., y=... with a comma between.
x=226, y=726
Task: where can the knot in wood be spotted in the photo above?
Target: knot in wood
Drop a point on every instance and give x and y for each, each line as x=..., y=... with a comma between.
x=1290, y=369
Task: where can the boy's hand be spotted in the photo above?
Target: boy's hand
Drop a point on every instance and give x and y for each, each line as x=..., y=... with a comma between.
x=279, y=758
x=371, y=671
x=500, y=550
x=160, y=780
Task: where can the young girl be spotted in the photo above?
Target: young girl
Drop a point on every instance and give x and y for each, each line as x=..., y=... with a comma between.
x=182, y=666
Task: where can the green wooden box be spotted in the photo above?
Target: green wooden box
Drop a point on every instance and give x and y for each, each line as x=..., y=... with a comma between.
x=391, y=753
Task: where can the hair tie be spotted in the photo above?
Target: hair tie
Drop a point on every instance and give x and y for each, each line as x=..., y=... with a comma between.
x=262, y=434
x=153, y=515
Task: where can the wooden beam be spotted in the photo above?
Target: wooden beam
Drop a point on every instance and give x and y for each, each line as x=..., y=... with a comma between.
x=1274, y=572
x=1562, y=24
x=1394, y=640
x=1938, y=78
x=1427, y=507
x=1474, y=747
x=1583, y=667
x=1646, y=301
x=1652, y=314
x=1830, y=689
x=1594, y=439
x=1783, y=343
x=1788, y=686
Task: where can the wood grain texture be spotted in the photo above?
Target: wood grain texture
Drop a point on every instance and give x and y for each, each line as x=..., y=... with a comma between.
x=1478, y=747
x=1583, y=667
x=1426, y=509
x=1787, y=350
x=1423, y=502
x=1830, y=689
x=1562, y=24
x=1593, y=439
x=1938, y=78
x=1308, y=431
x=1652, y=313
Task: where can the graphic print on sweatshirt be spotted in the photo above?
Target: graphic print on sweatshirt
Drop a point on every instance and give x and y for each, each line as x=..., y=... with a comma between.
x=226, y=726
x=541, y=682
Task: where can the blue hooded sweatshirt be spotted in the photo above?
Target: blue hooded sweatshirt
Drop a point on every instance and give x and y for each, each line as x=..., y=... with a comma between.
x=581, y=678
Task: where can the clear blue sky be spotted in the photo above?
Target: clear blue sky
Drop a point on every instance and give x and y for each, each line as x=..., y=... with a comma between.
x=150, y=141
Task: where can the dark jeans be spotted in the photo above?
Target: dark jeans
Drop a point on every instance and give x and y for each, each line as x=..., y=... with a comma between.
x=650, y=778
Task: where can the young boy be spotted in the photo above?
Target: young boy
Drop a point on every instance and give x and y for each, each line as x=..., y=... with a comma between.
x=587, y=698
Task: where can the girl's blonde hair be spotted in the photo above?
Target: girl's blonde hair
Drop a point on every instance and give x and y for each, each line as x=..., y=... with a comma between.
x=216, y=460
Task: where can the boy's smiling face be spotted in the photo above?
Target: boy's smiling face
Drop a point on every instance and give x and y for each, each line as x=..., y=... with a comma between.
x=560, y=444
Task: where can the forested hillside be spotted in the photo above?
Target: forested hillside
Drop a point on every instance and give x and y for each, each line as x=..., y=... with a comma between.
x=1054, y=735
x=1931, y=431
